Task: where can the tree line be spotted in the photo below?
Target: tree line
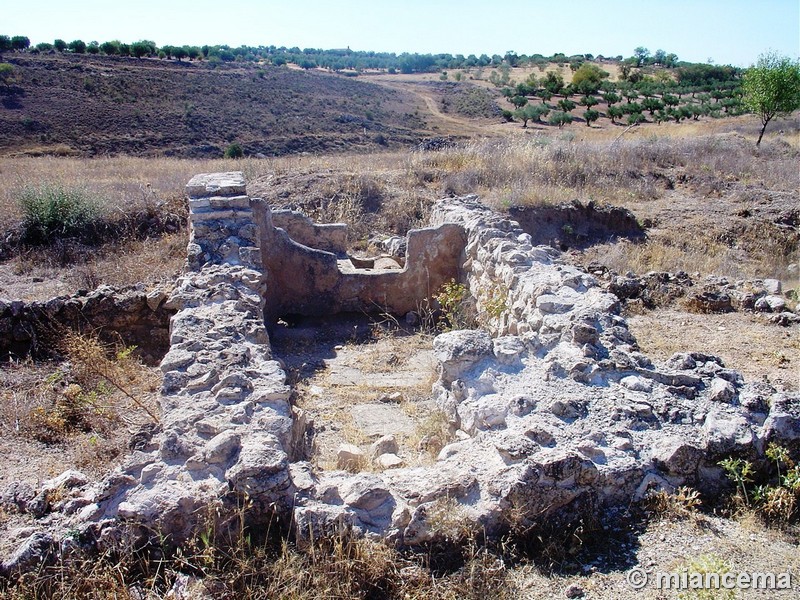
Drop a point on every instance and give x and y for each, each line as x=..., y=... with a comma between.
x=343, y=59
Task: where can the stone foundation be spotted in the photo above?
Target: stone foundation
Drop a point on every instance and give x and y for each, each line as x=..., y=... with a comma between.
x=306, y=270
x=554, y=412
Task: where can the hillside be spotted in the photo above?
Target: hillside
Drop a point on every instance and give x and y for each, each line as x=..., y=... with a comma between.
x=103, y=105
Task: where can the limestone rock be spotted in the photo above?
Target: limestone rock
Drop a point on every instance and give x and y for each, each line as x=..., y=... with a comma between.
x=389, y=461
x=711, y=302
x=583, y=333
x=770, y=303
x=349, y=457
x=556, y=414
x=457, y=351
x=636, y=383
x=785, y=319
x=676, y=456
x=783, y=423
x=772, y=286
x=37, y=550
x=262, y=467
x=222, y=447
x=384, y=445
x=721, y=390
x=550, y=303
x=727, y=432
x=188, y=587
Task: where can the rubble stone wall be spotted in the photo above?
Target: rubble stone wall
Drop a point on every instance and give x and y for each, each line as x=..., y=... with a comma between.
x=133, y=316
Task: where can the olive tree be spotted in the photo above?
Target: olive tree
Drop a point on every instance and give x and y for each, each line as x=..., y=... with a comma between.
x=519, y=101
x=110, y=48
x=533, y=112
x=560, y=118
x=771, y=88
x=566, y=105
x=20, y=42
x=591, y=115
x=77, y=46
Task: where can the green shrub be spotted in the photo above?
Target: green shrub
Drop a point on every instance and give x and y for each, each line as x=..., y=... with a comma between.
x=52, y=211
x=457, y=310
x=234, y=151
x=7, y=74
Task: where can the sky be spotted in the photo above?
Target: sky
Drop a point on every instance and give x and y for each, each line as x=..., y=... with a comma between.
x=731, y=32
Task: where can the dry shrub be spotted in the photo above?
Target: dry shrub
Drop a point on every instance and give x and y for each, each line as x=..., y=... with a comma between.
x=679, y=504
x=94, y=392
x=95, y=366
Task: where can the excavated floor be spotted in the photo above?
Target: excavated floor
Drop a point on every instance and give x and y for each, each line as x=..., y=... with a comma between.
x=359, y=379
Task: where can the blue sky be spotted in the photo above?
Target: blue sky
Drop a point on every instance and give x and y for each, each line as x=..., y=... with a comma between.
x=727, y=31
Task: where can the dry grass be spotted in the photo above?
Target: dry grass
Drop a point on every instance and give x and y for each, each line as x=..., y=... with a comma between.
x=761, y=250
x=119, y=182
x=249, y=565
x=742, y=341
x=540, y=169
x=711, y=169
x=87, y=405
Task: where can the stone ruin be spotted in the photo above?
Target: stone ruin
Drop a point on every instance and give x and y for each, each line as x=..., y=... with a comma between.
x=555, y=412
x=305, y=267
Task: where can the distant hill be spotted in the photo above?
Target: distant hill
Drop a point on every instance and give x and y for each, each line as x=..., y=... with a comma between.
x=97, y=105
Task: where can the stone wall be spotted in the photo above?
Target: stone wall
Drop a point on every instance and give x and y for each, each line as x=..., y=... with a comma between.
x=132, y=316
x=222, y=229
x=330, y=237
x=310, y=274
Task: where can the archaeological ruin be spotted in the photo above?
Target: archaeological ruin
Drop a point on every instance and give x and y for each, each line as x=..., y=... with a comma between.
x=554, y=413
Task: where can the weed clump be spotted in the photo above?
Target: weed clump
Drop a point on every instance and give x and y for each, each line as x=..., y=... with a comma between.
x=97, y=389
x=52, y=211
x=778, y=498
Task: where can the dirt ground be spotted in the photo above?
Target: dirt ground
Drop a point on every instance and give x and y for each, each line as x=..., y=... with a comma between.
x=745, y=342
x=359, y=378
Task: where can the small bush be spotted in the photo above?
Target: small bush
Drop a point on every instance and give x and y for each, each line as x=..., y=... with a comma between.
x=457, y=307
x=55, y=212
x=777, y=499
x=7, y=74
x=234, y=151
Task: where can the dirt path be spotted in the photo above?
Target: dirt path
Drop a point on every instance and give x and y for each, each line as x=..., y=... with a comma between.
x=359, y=381
x=463, y=125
